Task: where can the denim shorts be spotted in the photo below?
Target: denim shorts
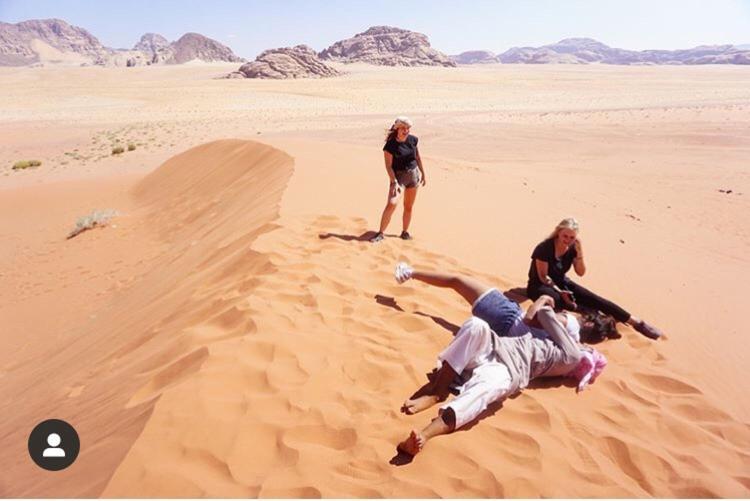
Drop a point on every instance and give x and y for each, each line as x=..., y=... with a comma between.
x=409, y=178
x=497, y=310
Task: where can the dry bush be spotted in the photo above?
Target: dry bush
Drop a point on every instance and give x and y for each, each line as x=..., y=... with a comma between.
x=96, y=218
x=25, y=164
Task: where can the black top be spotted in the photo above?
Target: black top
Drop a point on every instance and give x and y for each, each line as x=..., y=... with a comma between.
x=556, y=267
x=404, y=154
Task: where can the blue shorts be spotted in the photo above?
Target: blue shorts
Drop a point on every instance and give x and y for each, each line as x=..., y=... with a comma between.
x=497, y=310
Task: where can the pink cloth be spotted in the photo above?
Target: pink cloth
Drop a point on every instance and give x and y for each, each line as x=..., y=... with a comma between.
x=591, y=365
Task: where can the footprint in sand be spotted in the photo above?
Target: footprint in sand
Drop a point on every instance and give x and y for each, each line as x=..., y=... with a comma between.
x=666, y=384
x=320, y=436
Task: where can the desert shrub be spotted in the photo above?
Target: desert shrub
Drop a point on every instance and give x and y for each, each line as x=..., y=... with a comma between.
x=25, y=164
x=117, y=150
x=96, y=218
x=131, y=146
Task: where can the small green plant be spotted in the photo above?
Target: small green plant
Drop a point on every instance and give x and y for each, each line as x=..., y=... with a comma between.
x=25, y=164
x=96, y=218
x=131, y=146
x=117, y=150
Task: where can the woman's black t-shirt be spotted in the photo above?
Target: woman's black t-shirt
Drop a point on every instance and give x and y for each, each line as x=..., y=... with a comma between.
x=556, y=267
x=404, y=154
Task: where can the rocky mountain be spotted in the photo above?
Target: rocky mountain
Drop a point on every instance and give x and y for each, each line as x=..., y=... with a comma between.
x=475, y=57
x=387, y=46
x=286, y=62
x=191, y=46
x=587, y=50
x=151, y=43
x=53, y=41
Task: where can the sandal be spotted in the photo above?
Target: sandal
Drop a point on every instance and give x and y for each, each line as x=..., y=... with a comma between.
x=377, y=237
x=405, y=235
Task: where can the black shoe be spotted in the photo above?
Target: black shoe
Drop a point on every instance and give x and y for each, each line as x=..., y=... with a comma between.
x=377, y=238
x=405, y=235
x=648, y=330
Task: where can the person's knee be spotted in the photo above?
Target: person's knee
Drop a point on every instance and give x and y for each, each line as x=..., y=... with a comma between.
x=449, y=418
x=475, y=325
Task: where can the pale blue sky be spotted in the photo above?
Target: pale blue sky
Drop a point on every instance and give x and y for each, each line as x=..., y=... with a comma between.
x=453, y=26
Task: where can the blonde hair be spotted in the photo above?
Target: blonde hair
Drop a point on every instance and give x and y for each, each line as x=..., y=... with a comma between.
x=400, y=120
x=569, y=223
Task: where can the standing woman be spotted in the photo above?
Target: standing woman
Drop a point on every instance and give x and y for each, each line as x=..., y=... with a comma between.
x=552, y=259
x=405, y=171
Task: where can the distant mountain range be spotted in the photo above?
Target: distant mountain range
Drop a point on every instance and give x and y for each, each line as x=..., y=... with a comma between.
x=54, y=41
x=587, y=50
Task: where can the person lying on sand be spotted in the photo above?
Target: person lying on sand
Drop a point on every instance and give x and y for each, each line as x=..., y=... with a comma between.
x=492, y=368
x=505, y=317
x=552, y=259
x=405, y=171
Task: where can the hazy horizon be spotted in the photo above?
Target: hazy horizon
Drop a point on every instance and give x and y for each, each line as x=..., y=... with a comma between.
x=249, y=27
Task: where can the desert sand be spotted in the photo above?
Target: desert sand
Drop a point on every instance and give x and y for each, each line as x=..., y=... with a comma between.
x=230, y=334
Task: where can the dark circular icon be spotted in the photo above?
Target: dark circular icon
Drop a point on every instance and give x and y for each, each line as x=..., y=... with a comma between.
x=54, y=444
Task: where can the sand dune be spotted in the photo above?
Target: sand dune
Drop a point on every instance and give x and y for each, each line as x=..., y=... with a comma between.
x=230, y=334
x=259, y=356
x=177, y=232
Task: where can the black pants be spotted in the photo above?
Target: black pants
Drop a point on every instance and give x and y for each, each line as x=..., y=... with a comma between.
x=583, y=297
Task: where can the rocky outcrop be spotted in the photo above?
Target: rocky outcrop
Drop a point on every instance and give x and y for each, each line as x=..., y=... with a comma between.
x=587, y=50
x=387, y=46
x=475, y=57
x=286, y=62
x=47, y=40
x=151, y=43
x=53, y=41
x=194, y=46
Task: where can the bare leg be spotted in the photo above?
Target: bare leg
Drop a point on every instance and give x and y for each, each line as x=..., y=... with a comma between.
x=468, y=288
x=436, y=391
x=385, y=219
x=410, y=195
x=441, y=425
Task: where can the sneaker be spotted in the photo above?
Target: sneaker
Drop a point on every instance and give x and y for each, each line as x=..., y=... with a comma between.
x=377, y=238
x=403, y=272
x=405, y=235
x=648, y=330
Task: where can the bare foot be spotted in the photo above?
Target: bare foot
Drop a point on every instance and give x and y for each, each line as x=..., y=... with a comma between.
x=414, y=405
x=412, y=445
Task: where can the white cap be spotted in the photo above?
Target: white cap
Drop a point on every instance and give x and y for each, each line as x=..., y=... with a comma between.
x=402, y=120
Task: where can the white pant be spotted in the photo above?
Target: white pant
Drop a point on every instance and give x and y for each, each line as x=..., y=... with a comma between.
x=471, y=353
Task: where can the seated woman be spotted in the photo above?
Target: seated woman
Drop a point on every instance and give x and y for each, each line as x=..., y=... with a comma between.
x=495, y=367
x=552, y=259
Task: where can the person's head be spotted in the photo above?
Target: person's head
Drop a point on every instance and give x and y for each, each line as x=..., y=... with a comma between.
x=566, y=231
x=597, y=326
x=400, y=129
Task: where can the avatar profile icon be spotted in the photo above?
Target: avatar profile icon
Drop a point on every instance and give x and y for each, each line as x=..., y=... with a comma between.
x=54, y=444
